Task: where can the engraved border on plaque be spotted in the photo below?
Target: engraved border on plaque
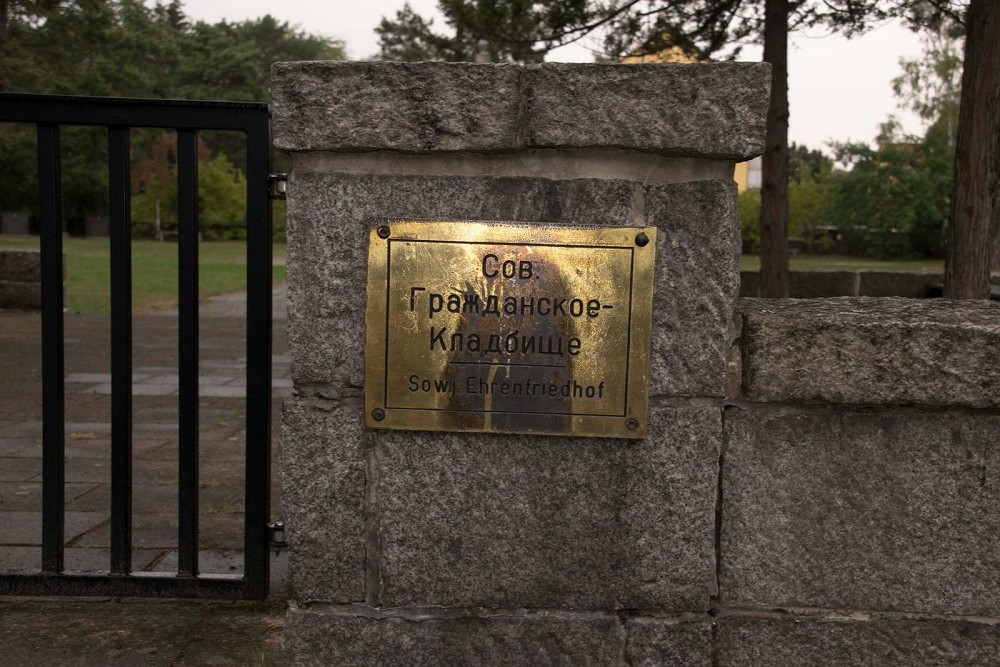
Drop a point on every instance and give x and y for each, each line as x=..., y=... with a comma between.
x=617, y=361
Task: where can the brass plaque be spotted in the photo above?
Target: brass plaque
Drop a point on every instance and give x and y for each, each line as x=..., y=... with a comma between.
x=509, y=328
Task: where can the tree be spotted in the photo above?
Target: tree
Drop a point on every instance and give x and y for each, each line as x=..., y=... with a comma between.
x=931, y=86
x=134, y=49
x=701, y=28
x=520, y=31
x=894, y=200
x=811, y=184
x=977, y=158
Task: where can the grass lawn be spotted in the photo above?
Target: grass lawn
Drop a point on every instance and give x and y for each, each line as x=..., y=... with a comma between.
x=841, y=263
x=222, y=268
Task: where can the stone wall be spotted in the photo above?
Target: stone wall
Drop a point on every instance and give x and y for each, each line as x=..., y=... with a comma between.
x=830, y=283
x=860, y=518
x=771, y=479
x=20, y=279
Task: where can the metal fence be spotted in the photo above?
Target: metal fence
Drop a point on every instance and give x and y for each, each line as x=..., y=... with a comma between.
x=48, y=113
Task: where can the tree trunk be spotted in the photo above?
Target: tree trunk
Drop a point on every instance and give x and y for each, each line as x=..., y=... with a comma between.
x=774, y=193
x=977, y=158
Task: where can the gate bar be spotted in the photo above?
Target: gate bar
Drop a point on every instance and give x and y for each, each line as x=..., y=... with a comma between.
x=258, y=463
x=187, y=353
x=53, y=387
x=119, y=157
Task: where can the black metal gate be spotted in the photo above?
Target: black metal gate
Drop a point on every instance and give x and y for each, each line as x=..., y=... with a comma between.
x=48, y=113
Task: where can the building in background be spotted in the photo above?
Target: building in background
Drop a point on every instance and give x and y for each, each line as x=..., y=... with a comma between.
x=748, y=174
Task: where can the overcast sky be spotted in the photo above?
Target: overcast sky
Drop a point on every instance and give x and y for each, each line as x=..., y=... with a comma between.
x=839, y=89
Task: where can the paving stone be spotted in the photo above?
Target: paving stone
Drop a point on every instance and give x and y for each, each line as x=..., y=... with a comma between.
x=22, y=429
x=526, y=521
x=25, y=527
x=87, y=470
x=159, y=531
x=30, y=449
x=94, y=633
x=160, y=499
x=15, y=559
x=209, y=562
x=95, y=427
x=19, y=470
x=11, y=447
x=748, y=640
x=317, y=638
x=21, y=496
x=876, y=510
x=873, y=351
x=224, y=392
x=656, y=641
x=78, y=559
x=95, y=378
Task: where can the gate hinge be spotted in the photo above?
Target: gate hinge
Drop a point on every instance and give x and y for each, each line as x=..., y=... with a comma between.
x=277, y=186
x=276, y=534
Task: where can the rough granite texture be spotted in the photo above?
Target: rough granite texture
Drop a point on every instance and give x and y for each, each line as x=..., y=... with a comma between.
x=715, y=110
x=21, y=296
x=696, y=286
x=406, y=107
x=852, y=509
x=868, y=351
x=528, y=521
x=696, y=276
x=323, y=485
x=653, y=642
x=23, y=266
x=801, y=641
x=327, y=638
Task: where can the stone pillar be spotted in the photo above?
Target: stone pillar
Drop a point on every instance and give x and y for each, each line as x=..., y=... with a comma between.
x=421, y=547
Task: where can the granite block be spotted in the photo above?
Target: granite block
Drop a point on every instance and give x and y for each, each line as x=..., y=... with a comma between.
x=819, y=642
x=407, y=107
x=716, y=110
x=872, y=351
x=329, y=638
x=529, y=521
x=876, y=510
x=696, y=286
x=323, y=492
x=655, y=641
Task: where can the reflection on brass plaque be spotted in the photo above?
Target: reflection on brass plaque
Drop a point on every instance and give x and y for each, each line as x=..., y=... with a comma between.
x=509, y=328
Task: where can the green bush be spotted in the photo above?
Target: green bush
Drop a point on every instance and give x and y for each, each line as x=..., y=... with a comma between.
x=748, y=206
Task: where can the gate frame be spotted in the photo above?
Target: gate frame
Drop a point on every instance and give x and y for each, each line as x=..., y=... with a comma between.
x=119, y=115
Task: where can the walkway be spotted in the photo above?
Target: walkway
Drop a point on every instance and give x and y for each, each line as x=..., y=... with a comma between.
x=223, y=379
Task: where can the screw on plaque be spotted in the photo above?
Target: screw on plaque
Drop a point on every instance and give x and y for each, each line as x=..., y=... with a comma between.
x=632, y=423
x=378, y=414
x=383, y=232
x=641, y=239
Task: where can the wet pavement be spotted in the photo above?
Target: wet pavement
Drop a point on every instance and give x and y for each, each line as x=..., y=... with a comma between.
x=88, y=409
